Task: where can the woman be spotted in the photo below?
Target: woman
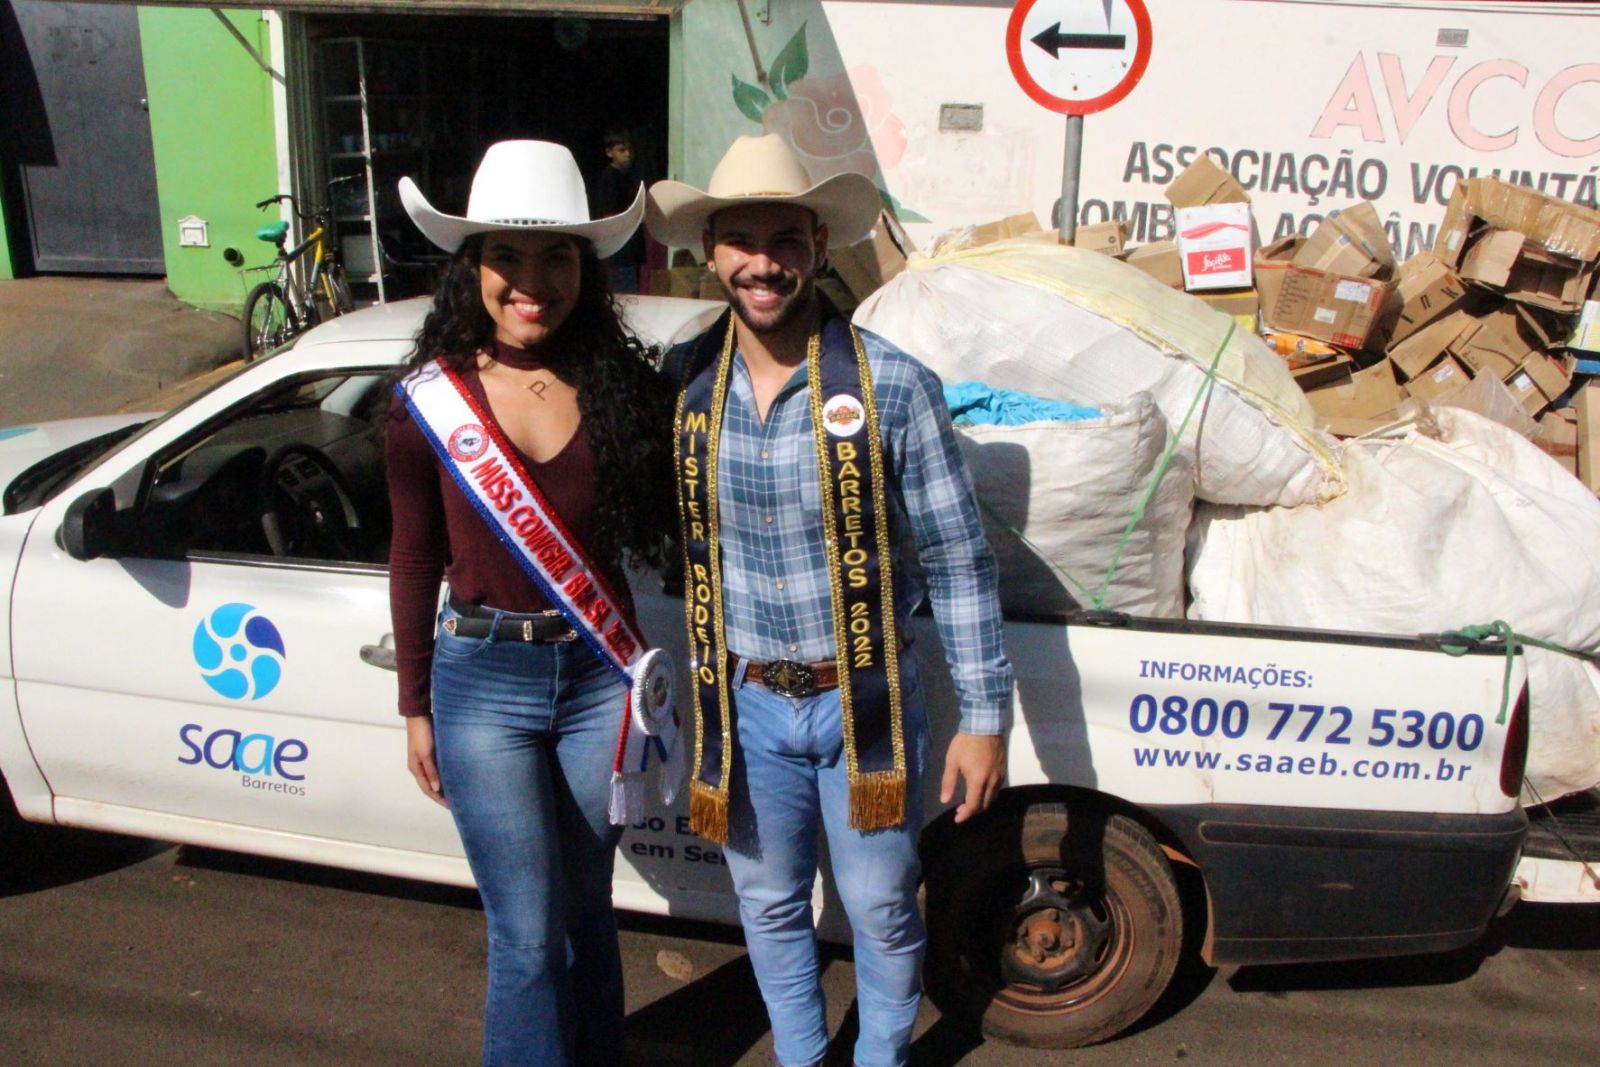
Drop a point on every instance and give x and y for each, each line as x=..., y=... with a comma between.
x=511, y=721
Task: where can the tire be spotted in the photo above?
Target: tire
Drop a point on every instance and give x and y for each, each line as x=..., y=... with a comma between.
x=330, y=294
x=268, y=320
x=338, y=281
x=1050, y=927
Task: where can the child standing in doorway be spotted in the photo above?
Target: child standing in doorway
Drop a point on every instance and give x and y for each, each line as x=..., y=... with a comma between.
x=614, y=190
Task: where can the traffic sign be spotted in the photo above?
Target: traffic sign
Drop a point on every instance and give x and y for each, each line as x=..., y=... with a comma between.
x=1078, y=56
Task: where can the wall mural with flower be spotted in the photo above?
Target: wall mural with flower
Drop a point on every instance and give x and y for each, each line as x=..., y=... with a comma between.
x=838, y=123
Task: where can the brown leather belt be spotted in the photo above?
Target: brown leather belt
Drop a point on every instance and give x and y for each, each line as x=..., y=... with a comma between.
x=788, y=677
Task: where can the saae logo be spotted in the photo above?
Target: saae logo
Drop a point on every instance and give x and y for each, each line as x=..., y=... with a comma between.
x=250, y=754
x=240, y=654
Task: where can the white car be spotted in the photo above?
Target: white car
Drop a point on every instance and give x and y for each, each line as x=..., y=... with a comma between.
x=195, y=620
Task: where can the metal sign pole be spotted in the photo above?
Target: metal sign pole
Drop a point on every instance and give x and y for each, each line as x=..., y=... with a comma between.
x=1071, y=161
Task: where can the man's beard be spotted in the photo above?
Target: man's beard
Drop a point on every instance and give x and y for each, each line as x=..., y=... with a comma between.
x=793, y=306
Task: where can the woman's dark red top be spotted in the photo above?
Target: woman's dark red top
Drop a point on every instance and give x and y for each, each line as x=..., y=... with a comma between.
x=438, y=534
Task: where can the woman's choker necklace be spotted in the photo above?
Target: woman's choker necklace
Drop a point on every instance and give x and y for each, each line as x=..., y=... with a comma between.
x=515, y=358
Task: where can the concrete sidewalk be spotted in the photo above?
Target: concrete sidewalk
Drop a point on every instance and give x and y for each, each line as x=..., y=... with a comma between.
x=92, y=346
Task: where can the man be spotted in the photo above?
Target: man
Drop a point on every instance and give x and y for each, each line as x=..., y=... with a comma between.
x=806, y=450
x=615, y=188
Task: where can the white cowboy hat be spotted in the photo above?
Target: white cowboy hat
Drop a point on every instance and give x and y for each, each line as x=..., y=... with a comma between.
x=524, y=185
x=763, y=170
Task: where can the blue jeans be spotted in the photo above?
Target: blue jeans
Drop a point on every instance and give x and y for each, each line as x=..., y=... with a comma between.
x=789, y=781
x=524, y=737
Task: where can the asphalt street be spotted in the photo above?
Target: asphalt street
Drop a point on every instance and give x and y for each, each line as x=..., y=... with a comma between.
x=116, y=950
x=74, y=346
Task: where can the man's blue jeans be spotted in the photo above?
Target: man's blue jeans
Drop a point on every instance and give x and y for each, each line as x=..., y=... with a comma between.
x=789, y=781
x=525, y=735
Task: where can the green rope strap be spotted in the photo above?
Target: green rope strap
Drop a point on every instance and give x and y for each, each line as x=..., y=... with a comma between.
x=1514, y=642
x=1161, y=468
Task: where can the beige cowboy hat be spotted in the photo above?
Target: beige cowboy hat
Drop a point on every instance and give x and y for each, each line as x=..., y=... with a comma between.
x=524, y=185
x=763, y=170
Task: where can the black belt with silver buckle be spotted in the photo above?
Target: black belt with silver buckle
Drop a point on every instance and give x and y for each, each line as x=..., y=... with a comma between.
x=545, y=627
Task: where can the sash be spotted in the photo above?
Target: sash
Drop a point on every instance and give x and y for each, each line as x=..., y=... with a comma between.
x=850, y=467
x=483, y=464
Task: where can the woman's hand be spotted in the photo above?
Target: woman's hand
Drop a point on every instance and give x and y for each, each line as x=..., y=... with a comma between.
x=419, y=757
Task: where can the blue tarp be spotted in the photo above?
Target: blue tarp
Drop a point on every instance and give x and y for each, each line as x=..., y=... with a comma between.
x=976, y=404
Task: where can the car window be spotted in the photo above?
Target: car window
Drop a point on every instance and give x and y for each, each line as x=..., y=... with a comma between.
x=295, y=474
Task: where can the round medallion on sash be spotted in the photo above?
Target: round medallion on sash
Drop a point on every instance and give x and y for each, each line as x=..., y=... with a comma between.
x=654, y=682
x=468, y=443
x=843, y=415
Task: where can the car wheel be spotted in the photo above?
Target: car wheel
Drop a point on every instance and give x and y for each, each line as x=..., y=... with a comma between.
x=1051, y=926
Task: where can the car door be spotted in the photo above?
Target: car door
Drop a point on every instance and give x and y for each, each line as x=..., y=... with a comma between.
x=212, y=678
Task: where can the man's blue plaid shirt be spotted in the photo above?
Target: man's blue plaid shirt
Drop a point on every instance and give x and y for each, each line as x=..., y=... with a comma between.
x=775, y=572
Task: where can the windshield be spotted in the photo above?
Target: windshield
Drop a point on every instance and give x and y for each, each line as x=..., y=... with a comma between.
x=40, y=482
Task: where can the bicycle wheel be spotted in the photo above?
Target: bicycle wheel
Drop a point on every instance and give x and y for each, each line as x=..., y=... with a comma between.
x=338, y=284
x=268, y=320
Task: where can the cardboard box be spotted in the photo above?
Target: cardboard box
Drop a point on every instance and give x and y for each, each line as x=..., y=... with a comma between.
x=1504, y=338
x=681, y=281
x=864, y=266
x=1161, y=261
x=1203, y=182
x=1235, y=302
x=1349, y=242
x=1422, y=349
x=1447, y=376
x=1586, y=336
x=1550, y=375
x=1006, y=228
x=1342, y=310
x=1586, y=405
x=1490, y=398
x=838, y=294
x=1527, y=392
x=1214, y=241
x=1334, y=370
x=1509, y=264
x=1559, y=430
x=1369, y=394
x=1557, y=226
x=711, y=288
x=1428, y=289
x=1558, y=438
x=1107, y=237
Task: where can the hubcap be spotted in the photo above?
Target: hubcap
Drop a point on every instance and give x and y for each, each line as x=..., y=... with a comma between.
x=1061, y=934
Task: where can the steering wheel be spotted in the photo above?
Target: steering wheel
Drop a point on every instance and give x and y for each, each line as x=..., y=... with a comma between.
x=306, y=507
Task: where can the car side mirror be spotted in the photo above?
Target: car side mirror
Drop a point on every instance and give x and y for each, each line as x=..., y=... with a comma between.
x=86, y=530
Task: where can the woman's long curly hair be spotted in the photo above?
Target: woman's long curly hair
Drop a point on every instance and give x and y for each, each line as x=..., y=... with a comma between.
x=624, y=403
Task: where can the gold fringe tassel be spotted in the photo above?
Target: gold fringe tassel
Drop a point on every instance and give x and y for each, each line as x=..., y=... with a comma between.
x=708, y=812
x=878, y=800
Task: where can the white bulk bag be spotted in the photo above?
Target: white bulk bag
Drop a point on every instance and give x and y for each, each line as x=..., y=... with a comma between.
x=1070, y=489
x=1068, y=324
x=1435, y=533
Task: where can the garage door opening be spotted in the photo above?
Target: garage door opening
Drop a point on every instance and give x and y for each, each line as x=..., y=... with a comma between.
x=424, y=96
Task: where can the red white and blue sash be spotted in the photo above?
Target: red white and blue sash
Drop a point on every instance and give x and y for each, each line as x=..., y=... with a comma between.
x=483, y=463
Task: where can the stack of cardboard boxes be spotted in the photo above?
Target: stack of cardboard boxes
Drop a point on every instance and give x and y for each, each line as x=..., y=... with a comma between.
x=1494, y=312
x=1501, y=315
x=853, y=272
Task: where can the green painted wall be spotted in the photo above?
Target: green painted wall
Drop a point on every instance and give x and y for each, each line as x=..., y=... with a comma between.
x=211, y=118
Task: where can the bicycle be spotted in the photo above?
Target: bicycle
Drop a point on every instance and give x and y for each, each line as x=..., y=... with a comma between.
x=295, y=300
